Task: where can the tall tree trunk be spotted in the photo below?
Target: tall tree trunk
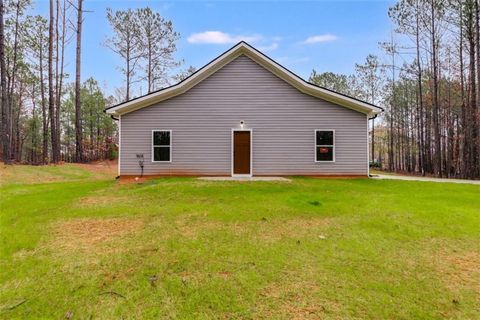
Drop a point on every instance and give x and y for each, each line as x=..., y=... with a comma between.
x=44, y=107
x=51, y=96
x=57, y=80
x=391, y=161
x=17, y=145
x=128, y=71
x=33, y=151
x=436, y=125
x=62, y=65
x=372, y=92
x=12, y=80
x=421, y=129
x=78, y=106
x=5, y=102
x=476, y=107
x=150, y=73
x=463, y=102
x=469, y=136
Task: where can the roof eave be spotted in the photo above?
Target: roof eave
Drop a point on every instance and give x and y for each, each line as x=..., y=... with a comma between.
x=269, y=64
x=181, y=87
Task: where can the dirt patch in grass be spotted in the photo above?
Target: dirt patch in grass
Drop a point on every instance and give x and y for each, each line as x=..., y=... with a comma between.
x=26, y=174
x=24, y=253
x=276, y=230
x=265, y=230
x=100, y=200
x=192, y=228
x=109, y=277
x=459, y=270
x=100, y=168
x=299, y=227
x=87, y=233
x=294, y=300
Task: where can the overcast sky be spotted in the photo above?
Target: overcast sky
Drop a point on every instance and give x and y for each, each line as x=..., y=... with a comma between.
x=301, y=35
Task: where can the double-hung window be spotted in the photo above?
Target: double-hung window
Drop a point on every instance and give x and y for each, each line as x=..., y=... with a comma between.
x=324, y=145
x=162, y=145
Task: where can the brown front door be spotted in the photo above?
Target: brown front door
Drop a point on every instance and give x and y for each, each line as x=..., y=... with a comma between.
x=241, y=152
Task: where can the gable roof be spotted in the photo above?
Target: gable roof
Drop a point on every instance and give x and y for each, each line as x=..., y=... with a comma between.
x=243, y=48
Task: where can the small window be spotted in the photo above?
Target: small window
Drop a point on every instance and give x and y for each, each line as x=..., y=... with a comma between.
x=324, y=145
x=161, y=145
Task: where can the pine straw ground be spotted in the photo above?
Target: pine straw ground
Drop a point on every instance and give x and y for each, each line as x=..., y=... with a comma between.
x=77, y=244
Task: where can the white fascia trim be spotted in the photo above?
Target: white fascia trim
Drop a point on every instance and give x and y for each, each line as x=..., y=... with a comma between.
x=272, y=66
x=177, y=89
x=311, y=89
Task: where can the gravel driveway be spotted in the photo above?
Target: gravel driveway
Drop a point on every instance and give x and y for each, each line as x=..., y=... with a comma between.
x=413, y=178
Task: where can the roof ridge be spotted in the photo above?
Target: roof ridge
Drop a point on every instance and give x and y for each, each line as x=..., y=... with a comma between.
x=262, y=59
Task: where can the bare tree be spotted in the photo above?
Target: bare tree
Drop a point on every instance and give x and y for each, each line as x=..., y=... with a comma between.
x=5, y=102
x=30, y=46
x=476, y=107
x=60, y=60
x=369, y=76
x=435, y=8
x=125, y=41
x=78, y=110
x=37, y=37
x=51, y=89
x=157, y=40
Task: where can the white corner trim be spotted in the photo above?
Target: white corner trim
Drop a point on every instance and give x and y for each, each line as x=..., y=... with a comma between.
x=119, y=143
x=368, y=149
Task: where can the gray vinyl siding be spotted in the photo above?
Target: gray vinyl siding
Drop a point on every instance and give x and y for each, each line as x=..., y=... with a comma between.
x=282, y=120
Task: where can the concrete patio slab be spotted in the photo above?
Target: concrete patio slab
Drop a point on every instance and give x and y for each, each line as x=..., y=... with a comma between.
x=245, y=179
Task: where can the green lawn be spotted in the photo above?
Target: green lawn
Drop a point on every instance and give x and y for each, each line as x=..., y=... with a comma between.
x=85, y=247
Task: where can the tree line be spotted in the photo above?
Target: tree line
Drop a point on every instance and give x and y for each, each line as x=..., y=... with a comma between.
x=47, y=115
x=428, y=79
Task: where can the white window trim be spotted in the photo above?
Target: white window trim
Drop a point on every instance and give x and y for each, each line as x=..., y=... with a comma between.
x=251, y=154
x=170, y=145
x=323, y=145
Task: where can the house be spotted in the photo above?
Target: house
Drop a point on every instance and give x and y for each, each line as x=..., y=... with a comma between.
x=243, y=114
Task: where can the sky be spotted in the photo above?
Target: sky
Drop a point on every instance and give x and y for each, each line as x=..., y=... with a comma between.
x=301, y=35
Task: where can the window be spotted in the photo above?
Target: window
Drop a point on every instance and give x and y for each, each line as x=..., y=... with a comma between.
x=324, y=145
x=161, y=145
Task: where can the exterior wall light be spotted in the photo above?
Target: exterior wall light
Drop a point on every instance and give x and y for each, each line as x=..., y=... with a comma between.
x=242, y=124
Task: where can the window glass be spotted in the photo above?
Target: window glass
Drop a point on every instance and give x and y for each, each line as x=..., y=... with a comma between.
x=324, y=138
x=161, y=153
x=324, y=153
x=161, y=145
x=161, y=138
x=324, y=145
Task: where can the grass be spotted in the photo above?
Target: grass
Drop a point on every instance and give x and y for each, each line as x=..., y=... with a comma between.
x=84, y=246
